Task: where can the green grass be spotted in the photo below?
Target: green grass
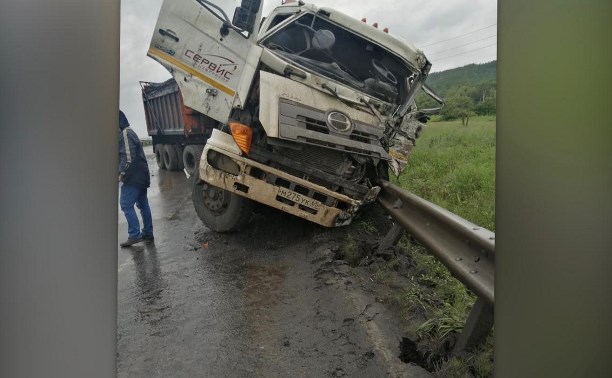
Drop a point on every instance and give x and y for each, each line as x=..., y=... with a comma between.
x=435, y=309
x=440, y=300
x=453, y=166
x=366, y=226
x=477, y=364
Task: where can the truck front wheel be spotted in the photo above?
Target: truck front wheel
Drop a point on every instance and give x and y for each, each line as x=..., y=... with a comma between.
x=218, y=209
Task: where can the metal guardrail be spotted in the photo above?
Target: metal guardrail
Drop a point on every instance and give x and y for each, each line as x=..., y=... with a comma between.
x=466, y=249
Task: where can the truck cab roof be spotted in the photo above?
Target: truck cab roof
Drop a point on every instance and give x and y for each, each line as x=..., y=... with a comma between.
x=403, y=49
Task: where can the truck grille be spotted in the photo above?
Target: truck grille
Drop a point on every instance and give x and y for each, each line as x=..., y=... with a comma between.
x=312, y=124
x=325, y=159
x=307, y=125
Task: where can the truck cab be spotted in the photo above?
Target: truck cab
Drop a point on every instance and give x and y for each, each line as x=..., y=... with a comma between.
x=312, y=107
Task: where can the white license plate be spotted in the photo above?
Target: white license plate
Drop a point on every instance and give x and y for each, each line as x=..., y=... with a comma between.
x=299, y=198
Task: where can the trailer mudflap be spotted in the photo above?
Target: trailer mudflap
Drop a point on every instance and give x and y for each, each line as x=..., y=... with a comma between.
x=276, y=188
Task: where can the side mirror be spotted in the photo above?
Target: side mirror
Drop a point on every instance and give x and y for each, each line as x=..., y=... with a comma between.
x=244, y=15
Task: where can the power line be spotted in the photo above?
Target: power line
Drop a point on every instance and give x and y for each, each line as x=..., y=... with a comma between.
x=465, y=52
x=459, y=36
x=470, y=43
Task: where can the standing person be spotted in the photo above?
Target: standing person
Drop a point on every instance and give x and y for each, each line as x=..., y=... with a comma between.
x=134, y=175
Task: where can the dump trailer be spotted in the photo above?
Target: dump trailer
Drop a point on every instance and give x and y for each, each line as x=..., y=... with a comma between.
x=178, y=132
x=311, y=108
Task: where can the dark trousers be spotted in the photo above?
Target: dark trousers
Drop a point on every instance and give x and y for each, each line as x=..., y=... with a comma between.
x=130, y=196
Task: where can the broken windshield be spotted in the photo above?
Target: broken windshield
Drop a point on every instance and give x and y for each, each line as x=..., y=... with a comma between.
x=329, y=50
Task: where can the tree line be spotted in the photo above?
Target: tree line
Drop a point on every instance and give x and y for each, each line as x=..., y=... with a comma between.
x=467, y=91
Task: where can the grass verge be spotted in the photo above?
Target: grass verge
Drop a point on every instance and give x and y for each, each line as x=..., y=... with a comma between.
x=454, y=167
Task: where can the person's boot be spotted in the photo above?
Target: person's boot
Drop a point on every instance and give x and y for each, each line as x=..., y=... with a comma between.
x=148, y=238
x=130, y=242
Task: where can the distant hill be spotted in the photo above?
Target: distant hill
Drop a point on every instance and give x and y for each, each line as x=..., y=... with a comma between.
x=473, y=85
x=471, y=75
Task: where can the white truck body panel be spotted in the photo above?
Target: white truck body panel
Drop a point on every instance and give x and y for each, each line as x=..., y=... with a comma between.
x=274, y=87
x=213, y=70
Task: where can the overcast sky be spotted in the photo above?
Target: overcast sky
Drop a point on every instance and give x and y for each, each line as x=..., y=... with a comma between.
x=452, y=33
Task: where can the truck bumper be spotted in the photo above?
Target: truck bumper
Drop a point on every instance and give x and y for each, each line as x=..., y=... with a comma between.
x=275, y=188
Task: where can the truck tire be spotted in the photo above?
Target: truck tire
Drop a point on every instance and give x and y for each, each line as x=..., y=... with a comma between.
x=170, y=158
x=159, y=156
x=218, y=209
x=191, y=158
x=178, y=149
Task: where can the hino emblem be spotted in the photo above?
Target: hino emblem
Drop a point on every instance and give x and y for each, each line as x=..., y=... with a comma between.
x=339, y=122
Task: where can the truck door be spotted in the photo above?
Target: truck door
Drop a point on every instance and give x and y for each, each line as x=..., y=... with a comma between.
x=209, y=48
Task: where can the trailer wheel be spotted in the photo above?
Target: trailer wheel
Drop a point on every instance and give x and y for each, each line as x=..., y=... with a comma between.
x=170, y=158
x=178, y=149
x=191, y=158
x=159, y=156
x=218, y=209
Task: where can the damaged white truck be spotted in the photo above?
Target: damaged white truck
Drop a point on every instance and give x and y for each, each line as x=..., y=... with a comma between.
x=311, y=107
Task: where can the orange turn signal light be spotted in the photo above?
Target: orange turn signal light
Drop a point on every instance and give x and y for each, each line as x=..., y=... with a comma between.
x=243, y=135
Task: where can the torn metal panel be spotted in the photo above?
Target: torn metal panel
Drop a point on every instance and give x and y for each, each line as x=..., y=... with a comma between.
x=404, y=142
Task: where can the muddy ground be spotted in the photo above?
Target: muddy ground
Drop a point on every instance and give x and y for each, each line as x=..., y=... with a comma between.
x=273, y=300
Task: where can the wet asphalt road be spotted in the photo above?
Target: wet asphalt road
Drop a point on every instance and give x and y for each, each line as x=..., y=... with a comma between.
x=269, y=301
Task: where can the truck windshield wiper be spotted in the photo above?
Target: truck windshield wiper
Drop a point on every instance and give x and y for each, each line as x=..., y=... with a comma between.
x=372, y=109
x=331, y=90
x=352, y=104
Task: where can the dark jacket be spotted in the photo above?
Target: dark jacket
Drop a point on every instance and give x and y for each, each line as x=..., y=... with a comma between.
x=133, y=167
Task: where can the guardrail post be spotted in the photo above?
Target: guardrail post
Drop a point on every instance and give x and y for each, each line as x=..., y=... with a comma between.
x=476, y=328
x=394, y=234
x=392, y=237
